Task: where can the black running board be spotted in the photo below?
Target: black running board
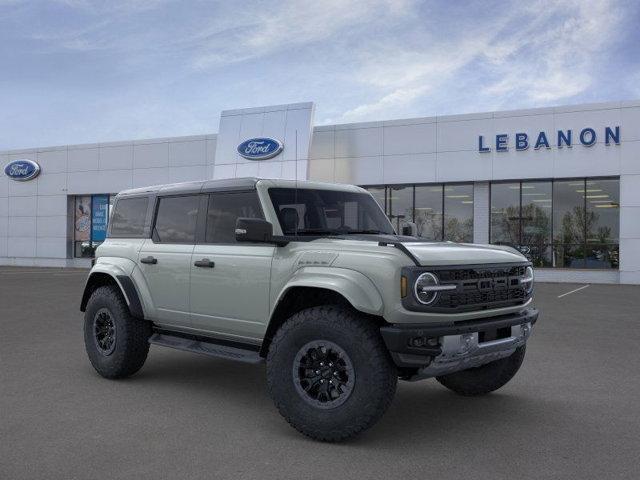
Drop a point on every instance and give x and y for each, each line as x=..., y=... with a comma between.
x=206, y=348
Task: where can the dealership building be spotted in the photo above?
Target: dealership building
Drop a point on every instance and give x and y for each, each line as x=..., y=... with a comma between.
x=561, y=184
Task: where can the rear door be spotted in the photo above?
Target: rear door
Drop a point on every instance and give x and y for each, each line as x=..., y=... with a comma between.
x=165, y=259
x=229, y=280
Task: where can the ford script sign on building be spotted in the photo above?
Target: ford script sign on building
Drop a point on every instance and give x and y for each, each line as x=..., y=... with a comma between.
x=22, y=170
x=260, y=148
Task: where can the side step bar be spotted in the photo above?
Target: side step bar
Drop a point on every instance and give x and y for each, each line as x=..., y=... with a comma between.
x=206, y=348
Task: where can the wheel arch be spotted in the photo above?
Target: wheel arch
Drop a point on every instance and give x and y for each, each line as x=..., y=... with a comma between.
x=320, y=286
x=121, y=281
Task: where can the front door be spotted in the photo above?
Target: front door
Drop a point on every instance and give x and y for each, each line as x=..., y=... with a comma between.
x=165, y=259
x=230, y=281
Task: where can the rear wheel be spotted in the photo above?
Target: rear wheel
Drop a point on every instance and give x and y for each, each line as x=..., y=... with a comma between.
x=329, y=373
x=486, y=378
x=116, y=343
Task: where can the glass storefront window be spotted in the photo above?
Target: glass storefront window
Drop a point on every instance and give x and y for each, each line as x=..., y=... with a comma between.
x=536, y=222
x=379, y=194
x=428, y=212
x=440, y=212
x=603, y=223
x=82, y=226
x=400, y=205
x=564, y=223
x=568, y=212
x=458, y=213
x=505, y=214
x=569, y=223
x=603, y=211
x=91, y=218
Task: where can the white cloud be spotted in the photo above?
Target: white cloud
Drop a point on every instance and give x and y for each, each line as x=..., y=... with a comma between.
x=398, y=98
x=543, y=52
x=159, y=68
x=554, y=63
x=288, y=24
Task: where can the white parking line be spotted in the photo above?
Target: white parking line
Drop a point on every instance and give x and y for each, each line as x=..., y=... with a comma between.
x=573, y=291
x=40, y=272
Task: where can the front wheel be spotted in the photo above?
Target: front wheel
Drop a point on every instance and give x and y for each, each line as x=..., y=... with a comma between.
x=329, y=373
x=485, y=378
x=116, y=343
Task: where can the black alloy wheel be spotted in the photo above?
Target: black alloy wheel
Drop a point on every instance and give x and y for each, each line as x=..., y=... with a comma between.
x=323, y=374
x=104, y=331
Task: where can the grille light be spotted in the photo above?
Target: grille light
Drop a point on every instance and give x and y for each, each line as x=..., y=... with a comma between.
x=527, y=280
x=427, y=287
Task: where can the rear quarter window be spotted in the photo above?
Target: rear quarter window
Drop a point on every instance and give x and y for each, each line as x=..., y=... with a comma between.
x=128, y=217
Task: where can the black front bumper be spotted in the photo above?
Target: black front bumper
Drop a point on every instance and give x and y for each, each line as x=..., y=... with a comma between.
x=399, y=337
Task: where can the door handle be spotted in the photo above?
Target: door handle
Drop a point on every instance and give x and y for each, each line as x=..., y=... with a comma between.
x=204, y=263
x=149, y=260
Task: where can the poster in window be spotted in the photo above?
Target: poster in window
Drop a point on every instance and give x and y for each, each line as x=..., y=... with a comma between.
x=99, y=212
x=82, y=229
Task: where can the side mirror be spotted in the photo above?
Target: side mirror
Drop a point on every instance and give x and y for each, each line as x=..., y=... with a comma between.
x=410, y=229
x=254, y=230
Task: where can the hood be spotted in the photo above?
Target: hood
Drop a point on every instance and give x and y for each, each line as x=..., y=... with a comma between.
x=462, y=253
x=448, y=253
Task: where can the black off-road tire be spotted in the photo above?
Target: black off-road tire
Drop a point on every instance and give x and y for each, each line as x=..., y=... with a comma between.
x=486, y=378
x=374, y=375
x=130, y=347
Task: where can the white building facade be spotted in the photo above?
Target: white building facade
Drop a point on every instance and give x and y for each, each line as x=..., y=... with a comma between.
x=561, y=184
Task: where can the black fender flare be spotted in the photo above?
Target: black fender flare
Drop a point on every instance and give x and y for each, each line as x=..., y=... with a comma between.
x=124, y=284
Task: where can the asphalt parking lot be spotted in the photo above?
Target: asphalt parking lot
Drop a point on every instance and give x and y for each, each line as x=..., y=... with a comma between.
x=571, y=412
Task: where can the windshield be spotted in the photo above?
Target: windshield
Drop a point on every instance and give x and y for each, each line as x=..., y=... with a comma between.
x=327, y=212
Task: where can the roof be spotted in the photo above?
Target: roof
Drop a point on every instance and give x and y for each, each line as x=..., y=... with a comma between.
x=230, y=184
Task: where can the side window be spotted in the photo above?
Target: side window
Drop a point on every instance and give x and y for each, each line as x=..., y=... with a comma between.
x=176, y=219
x=224, y=210
x=127, y=219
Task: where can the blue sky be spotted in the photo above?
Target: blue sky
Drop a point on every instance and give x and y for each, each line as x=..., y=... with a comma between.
x=76, y=71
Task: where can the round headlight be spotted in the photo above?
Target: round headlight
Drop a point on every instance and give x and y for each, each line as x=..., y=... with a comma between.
x=423, y=288
x=527, y=280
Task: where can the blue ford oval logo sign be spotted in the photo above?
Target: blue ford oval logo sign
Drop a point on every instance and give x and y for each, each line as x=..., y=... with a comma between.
x=22, y=170
x=260, y=148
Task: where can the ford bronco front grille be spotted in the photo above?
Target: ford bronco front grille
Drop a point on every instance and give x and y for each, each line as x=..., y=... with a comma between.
x=482, y=287
x=477, y=288
x=479, y=273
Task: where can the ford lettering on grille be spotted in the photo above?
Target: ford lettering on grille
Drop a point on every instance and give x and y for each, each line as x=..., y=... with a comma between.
x=480, y=287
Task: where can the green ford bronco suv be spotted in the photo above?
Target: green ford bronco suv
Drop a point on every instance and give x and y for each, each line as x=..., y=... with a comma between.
x=312, y=279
